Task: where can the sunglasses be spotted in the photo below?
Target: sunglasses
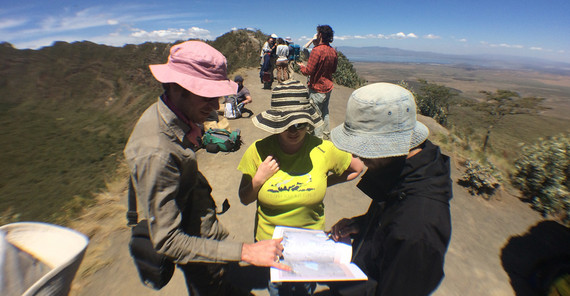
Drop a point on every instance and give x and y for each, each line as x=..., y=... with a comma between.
x=296, y=127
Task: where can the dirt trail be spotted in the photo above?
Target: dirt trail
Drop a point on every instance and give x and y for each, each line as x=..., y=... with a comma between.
x=473, y=264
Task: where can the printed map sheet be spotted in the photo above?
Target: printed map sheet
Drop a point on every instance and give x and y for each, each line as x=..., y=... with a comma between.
x=314, y=257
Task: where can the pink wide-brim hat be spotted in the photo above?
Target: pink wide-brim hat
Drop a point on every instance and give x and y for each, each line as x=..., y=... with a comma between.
x=197, y=67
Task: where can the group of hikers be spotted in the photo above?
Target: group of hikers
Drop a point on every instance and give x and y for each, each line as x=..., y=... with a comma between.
x=277, y=53
x=322, y=63
x=399, y=243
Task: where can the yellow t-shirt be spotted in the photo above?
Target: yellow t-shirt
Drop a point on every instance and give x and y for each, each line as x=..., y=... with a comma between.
x=294, y=195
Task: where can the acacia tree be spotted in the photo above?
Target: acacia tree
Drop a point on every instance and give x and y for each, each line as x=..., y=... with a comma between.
x=505, y=102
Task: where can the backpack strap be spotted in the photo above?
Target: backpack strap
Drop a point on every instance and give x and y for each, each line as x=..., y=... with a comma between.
x=132, y=216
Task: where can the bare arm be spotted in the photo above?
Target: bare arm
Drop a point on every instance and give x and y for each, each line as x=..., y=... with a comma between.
x=249, y=187
x=247, y=100
x=310, y=41
x=354, y=169
x=264, y=253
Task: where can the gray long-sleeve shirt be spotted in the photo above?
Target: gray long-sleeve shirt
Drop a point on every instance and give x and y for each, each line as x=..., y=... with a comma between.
x=173, y=195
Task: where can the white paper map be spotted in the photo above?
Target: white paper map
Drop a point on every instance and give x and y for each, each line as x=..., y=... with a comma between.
x=314, y=257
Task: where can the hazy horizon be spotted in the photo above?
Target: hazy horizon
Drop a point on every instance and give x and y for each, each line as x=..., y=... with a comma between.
x=535, y=29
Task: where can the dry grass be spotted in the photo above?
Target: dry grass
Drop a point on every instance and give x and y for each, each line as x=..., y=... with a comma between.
x=98, y=223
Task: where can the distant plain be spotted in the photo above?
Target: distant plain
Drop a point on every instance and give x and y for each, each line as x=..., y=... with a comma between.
x=468, y=81
x=471, y=79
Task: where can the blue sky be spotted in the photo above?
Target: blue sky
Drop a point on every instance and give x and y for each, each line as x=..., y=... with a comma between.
x=533, y=28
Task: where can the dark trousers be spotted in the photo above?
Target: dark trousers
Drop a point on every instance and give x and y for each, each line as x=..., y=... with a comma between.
x=266, y=66
x=204, y=279
x=245, y=110
x=358, y=288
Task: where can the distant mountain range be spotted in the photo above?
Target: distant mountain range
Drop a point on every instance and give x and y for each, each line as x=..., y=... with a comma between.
x=395, y=55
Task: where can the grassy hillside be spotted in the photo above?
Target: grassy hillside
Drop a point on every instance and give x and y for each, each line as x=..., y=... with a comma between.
x=66, y=112
x=64, y=115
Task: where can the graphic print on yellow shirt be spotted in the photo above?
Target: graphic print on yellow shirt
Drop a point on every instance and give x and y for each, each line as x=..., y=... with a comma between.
x=292, y=183
x=294, y=195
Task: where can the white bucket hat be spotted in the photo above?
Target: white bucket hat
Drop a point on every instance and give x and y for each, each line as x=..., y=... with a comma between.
x=380, y=122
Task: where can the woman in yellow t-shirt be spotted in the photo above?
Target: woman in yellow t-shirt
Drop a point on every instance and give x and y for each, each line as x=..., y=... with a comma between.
x=287, y=173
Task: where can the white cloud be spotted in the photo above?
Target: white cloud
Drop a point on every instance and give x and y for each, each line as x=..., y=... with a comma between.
x=122, y=37
x=87, y=18
x=95, y=23
x=536, y=48
x=503, y=45
x=91, y=18
x=432, y=36
x=400, y=35
x=170, y=34
x=462, y=40
x=11, y=23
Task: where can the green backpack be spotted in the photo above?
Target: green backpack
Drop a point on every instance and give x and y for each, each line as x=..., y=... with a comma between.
x=219, y=139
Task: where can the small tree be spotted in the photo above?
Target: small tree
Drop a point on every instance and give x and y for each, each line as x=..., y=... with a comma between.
x=503, y=103
x=542, y=174
x=434, y=100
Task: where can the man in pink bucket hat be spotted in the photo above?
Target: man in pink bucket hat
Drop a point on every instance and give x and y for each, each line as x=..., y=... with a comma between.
x=173, y=194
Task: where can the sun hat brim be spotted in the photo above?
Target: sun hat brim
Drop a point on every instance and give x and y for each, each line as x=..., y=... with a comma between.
x=276, y=121
x=199, y=86
x=366, y=145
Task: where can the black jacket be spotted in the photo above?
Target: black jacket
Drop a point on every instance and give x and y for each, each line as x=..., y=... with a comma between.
x=405, y=233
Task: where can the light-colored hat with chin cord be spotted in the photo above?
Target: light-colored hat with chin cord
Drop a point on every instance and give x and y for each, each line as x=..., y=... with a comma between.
x=380, y=122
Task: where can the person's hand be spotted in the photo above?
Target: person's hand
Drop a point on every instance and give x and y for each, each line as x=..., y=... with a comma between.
x=264, y=253
x=343, y=228
x=300, y=64
x=266, y=169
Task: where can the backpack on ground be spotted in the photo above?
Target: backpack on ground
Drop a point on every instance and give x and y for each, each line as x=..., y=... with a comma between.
x=231, y=109
x=215, y=140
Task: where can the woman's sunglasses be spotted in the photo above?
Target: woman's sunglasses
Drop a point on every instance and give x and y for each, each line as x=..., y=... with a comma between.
x=296, y=127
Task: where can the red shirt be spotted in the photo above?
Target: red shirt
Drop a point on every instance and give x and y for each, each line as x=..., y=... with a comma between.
x=321, y=66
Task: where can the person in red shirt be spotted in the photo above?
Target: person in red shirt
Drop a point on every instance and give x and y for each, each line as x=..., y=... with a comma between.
x=320, y=68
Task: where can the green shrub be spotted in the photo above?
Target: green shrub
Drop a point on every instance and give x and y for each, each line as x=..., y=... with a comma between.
x=432, y=99
x=480, y=179
x=346, y=74
x=542, y=173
